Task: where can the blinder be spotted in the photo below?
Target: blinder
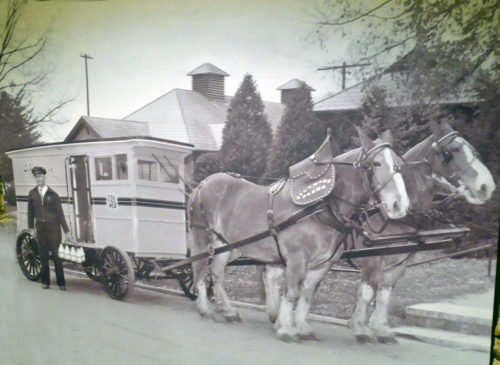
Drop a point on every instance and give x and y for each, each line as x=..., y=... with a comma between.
x=447, y=156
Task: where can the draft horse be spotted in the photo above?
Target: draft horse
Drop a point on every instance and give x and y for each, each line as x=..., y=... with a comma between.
x=225, y=208
x=443, y=162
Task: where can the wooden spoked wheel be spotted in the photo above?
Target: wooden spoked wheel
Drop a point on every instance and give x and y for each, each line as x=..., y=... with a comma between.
x=187, y=284
x=117, y=272
x=28, y=256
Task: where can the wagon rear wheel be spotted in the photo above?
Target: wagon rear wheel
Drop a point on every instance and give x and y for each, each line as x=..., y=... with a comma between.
x=28, y=256
x=117, y=272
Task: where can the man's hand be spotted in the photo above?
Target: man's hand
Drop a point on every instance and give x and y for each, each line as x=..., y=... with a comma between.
x=69, y=237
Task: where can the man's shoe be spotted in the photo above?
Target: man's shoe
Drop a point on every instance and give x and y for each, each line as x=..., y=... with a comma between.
x=45, y=286
x=62, y=287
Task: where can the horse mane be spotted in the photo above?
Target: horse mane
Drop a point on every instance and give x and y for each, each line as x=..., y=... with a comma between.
x=349, y=156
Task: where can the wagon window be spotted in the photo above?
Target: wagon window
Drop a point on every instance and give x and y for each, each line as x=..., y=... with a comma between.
x=103, y=168
x=121, y=167
x=147, y=170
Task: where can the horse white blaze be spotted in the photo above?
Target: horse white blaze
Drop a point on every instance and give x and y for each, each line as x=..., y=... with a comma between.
x=400, y=196
x=476, y=189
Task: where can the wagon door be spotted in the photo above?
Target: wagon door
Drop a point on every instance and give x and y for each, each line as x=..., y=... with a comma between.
x=80, y=192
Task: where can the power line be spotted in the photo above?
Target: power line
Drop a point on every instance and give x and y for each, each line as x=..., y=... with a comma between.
x=344, y=68
x=87, y=57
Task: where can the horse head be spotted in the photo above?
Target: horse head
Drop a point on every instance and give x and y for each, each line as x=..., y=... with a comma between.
x=457, y=164
x=383, y=169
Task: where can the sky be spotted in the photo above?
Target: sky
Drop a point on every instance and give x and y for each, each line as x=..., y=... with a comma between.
x=143, y=49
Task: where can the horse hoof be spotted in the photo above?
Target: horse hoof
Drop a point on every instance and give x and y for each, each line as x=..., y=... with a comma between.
x=232, y=317
x=208, y=315
x=308, y=337
x=273, y=318
x=286, y=337
x=387, y=340
x=364, y=339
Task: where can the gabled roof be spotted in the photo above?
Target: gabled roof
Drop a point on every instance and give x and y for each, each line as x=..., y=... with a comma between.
x=110, y=128
x=397, y=95
x=207, y=68
x=188, y=116
x=294, y=84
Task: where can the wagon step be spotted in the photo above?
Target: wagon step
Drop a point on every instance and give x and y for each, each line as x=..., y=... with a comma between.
x=399, y=249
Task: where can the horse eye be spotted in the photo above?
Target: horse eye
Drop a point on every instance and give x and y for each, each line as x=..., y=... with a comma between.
x=376, y=163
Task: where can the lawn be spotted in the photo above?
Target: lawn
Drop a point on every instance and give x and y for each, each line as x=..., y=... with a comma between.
x=336, y=295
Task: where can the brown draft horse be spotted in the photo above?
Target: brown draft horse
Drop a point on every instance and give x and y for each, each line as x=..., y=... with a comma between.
x=445, y=161
x=225, y=208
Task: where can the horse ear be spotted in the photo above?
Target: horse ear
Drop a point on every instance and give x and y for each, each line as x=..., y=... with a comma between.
x=366, y=142
x=386, y=136
x=439, y=125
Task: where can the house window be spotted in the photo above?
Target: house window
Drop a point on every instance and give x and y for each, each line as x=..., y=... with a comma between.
x=121, y=167
x=147, y=170
x=103, y=168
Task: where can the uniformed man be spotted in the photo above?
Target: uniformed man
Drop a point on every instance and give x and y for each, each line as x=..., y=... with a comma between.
x=45, y=219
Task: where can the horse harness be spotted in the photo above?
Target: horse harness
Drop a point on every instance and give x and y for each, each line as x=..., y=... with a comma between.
x=318, y=208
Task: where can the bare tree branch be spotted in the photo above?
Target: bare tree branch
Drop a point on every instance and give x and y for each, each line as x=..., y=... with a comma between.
x=352, y=20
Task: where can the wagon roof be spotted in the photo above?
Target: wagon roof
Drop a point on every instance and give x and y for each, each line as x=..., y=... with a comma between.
x=103, y=140
x=110, y=128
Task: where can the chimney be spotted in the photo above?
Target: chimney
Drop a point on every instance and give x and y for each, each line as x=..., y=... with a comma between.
x=288, y=89
x=209, y=81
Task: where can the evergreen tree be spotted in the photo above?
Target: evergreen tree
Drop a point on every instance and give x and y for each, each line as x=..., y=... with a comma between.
x=407, y=123
x=299, y=134
x=17, y=130
x=206, y=165
x=247, y=135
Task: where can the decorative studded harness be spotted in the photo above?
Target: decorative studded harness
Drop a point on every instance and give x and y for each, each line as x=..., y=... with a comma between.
x=323, y=211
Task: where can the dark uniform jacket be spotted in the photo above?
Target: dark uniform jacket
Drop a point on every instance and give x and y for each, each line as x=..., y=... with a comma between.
x=48, y=212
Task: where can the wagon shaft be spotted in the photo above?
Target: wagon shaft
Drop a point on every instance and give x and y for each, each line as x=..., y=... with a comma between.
x=399, y=249
x=420, y=236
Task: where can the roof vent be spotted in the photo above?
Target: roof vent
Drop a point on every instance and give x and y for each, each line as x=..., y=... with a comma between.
x=209, y=81
x=288, y=89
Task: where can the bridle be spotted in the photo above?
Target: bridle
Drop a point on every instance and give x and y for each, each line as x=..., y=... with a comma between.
x=451, y=175
x=365, y=161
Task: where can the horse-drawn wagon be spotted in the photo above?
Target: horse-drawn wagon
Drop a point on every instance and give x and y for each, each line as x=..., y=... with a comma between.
x=124, y=200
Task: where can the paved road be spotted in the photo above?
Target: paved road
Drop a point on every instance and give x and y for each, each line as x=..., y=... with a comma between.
x=85, y=326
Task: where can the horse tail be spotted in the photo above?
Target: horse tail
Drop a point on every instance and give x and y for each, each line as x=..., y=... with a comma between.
x=197, y=235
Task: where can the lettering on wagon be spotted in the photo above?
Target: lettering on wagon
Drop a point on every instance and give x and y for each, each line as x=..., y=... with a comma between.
x=111, y=201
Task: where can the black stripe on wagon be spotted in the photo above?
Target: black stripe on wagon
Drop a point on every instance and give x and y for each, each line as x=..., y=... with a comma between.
x=143, y=203
x=24, y=199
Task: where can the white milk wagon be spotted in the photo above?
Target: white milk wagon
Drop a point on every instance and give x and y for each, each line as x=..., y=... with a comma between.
x=124, y=201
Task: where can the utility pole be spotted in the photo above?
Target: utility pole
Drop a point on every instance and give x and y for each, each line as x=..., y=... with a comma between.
x=344, y=68
x=87, y=57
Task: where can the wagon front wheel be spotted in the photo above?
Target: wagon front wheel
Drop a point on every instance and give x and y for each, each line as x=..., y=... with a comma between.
x=117, y=272
x=187, y=285
x=28, y=256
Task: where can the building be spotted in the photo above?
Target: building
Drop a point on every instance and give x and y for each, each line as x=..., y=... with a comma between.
x=195, y=116
x=342, y=109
